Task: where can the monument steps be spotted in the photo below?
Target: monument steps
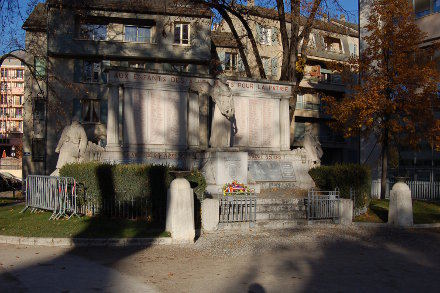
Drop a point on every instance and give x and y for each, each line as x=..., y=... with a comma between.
x=274, y=209
x=281, y=224
x=281, y=216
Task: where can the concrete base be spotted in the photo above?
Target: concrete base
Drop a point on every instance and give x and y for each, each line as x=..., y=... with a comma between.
x=180, y=211
x=210, y=214
x=346, y=211
x=400, y=211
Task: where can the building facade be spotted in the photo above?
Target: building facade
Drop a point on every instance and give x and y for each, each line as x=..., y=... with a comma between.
x=11, y=107
x=331, y=40
x=72, y=48
x=422, y=164
x=95, y=61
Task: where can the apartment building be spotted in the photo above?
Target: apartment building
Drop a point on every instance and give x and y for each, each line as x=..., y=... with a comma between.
x=331, y=40
x=11, y=104
x=72, y=45
x=422, y=164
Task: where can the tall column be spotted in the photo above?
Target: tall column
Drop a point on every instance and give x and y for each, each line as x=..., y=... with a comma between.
x=112, y=119
x=284, y=124
x=193, y=120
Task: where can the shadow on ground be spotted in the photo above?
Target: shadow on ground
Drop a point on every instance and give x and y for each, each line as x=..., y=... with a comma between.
x=385, y=260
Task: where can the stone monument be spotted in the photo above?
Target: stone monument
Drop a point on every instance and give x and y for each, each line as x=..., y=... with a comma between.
x=73, y=147
x=222, y=127
x=400, y=211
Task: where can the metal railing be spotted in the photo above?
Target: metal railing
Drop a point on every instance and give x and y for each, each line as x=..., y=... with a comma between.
x=238, y=207
x=322, y=205
x=56, y=194
x=424, y=190
x=131, y=208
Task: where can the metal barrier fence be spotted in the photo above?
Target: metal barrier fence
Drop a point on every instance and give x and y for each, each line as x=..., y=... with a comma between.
x=238, y=207
x=56, y=194
x=424, y=190
x=322, y=205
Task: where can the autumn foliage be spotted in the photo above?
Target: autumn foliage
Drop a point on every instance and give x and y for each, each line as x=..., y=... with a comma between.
x=397, y=95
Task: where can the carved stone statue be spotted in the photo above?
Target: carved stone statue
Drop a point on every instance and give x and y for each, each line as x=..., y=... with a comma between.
x=73, y=147
x=223, y=120
x=313, y=147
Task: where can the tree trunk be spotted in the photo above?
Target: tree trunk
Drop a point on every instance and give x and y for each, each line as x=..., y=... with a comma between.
x=383, y=183
x=237, y=38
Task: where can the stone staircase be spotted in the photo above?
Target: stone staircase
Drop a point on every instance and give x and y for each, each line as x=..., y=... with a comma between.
x=275, y=213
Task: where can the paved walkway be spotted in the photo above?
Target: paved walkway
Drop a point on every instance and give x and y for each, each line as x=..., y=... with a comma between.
x=355, y=259
x=37, y=269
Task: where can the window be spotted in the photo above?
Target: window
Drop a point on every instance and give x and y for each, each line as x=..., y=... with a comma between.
x=266, y=65
x=90, y=111
x=4, y=86
x=425, y=7
x=38, y=149
x=19, y=73
x=94, y=32
x=265, y=36
x=40, y=67
x=91, y=71
x=137, y=34
x=137, y=64
x=39, y=109
x=231, y=60
x=4, y=73
x=300, y=130
x=181, y=33
x=332, y=44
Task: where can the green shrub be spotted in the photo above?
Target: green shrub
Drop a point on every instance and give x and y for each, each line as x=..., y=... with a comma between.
x=107, y=183
x=345, y=177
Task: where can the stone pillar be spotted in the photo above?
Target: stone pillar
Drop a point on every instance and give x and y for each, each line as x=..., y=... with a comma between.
x=203, y=121
x=284, y=125
x=210, y=214
x=180, y=211
x=400, y=212
x=193, y=120
x=112, y=119
x=345, y=211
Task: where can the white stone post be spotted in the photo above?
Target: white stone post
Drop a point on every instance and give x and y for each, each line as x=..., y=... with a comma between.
x=180, y=211
x=210, y=214
x=284, y=125
x=400, y=212
x=345, y=211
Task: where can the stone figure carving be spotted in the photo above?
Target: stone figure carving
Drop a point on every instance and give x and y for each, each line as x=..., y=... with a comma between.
x=312, y=147
x=223, y=121
x=73, y=147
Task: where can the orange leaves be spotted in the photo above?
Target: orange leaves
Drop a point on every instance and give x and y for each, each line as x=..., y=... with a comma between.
x=397, y=94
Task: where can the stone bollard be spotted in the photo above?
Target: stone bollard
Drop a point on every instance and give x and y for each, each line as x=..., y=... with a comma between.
x=345, y=211
x=400, y=211
x=210, y=214
x=180, y=211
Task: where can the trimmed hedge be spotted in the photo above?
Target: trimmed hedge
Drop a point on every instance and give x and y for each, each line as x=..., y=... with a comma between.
x=107, y=183
x=344, y=177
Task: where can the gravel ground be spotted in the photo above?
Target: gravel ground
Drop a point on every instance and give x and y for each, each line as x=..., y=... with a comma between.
x=309, y=259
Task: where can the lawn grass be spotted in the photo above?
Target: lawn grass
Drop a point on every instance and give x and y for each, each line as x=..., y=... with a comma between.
x=7, y=201
x=27, y=224
x=423, y=212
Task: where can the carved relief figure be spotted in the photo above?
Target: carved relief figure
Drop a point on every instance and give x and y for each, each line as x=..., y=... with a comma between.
x=313, y=147
x=224, y=111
